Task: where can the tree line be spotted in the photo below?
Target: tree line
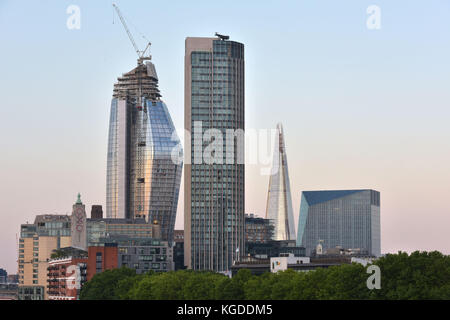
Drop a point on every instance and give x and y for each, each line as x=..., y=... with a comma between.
x=420, y=275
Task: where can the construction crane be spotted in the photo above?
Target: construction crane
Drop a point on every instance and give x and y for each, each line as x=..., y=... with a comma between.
x=141, y=54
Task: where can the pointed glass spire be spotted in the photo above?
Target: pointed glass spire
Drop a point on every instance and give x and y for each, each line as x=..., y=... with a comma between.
x=279, y=202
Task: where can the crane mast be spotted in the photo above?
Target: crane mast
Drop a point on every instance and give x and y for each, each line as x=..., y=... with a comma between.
x=141, y=54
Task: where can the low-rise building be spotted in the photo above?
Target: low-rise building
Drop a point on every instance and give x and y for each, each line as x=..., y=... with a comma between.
x=273, y=248
x=258, y=230
x=8, y=291
x=285, y=260
x=143, y=255
x=66, y=277
x=103, y=256
x=12, y=278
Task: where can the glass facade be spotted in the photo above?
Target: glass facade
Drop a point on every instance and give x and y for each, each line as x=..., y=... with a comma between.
x=144, y=153
x=215, y=197
x=279, y=201
x=347, y=218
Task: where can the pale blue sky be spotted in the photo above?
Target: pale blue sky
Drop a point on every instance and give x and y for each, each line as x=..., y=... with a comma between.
x=360, y=108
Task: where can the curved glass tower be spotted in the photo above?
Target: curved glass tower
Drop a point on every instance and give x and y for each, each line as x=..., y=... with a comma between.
x=144, y=160
x=279, y=202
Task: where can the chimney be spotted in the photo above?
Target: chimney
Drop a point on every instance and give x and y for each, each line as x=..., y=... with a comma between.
x=96, y=212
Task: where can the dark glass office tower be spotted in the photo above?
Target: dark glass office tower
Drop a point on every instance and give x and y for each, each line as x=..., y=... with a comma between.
x=346, y=218
x=144, y=153
x=214, y=192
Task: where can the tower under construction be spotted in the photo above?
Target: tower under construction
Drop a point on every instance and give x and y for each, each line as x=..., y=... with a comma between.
x=144, y=160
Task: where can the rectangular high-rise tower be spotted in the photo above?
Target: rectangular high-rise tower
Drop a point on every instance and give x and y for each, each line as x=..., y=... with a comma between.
x=214, y=189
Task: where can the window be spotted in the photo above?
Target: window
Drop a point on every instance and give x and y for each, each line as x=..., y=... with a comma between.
x=123, y=250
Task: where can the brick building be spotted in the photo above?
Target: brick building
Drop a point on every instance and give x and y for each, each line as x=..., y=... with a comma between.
x=66, y=276
x=102, y=257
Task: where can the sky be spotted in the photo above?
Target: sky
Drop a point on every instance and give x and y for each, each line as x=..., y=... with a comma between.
x=361, y=108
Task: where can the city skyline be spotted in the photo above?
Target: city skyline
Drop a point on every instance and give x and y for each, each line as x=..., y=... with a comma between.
x=339, y=79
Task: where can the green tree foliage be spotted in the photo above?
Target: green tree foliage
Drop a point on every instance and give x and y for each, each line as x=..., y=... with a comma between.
x=105, y=285
x=421, y=275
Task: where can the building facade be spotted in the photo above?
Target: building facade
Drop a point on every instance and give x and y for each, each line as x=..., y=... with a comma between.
x=214, y=181
x=349, y=219
x=143, y=255
x=279, y=201
x=178, y=250
x=258, y=230
x=144, y=159
x=102, y=228
x=96, y=212
x=66, y=277
x=36, y=243
x=273, y=248
x=103, y=256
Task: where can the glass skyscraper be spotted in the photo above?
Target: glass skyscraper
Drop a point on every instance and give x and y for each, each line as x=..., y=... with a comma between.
x=346, y=218
x=279, y=201
x=144, y=160
x=214, y=191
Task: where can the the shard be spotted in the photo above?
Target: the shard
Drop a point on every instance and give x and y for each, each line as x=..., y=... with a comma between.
x=144, y=153
x=279, y=202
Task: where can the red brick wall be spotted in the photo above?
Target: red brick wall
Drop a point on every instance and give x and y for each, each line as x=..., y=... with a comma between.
x=110, y=259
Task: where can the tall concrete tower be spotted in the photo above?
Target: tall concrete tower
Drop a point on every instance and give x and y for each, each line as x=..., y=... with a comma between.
x=279, y=202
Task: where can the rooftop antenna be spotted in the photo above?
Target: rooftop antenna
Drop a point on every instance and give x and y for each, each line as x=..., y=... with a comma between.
x=142, y=55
